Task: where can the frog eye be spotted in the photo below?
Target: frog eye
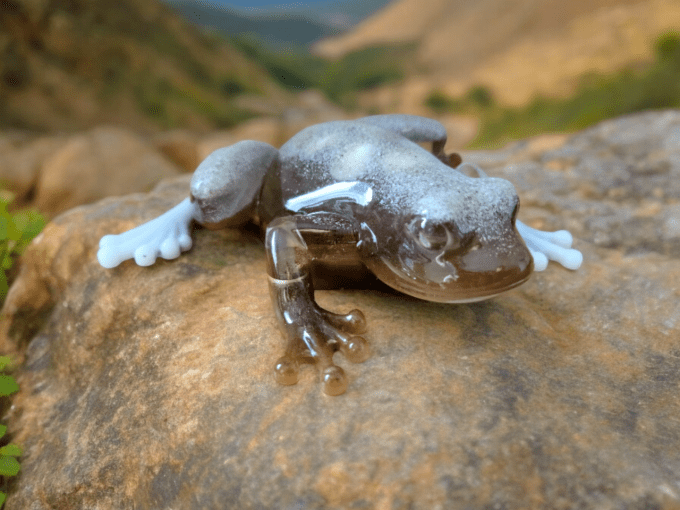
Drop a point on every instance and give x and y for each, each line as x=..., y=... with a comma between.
x=428, y=234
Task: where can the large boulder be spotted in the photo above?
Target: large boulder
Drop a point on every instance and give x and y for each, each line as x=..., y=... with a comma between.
x=153, y=388
x=102, y=162
x=21, y=160
x=56, y=173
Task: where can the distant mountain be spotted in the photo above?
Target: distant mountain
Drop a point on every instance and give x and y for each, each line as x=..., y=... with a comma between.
x=347, y=13
x=516, y=48
x=295, y=24
x=275, y=28
x=70, y=64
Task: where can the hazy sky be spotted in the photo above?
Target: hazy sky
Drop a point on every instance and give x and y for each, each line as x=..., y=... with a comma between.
x=270, y=3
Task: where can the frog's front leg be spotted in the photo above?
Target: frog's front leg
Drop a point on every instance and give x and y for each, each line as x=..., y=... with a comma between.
x=294, y=244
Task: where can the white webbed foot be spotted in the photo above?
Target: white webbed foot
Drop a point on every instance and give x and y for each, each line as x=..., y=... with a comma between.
x=545, y=246
x=167, y=236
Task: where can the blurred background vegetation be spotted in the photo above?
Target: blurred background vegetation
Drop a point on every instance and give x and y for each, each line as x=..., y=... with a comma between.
x=17, y=229
x=68, y=65
x=296, y=68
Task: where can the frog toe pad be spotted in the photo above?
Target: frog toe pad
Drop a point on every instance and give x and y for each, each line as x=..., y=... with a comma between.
x=314, y=336
x=316, y=341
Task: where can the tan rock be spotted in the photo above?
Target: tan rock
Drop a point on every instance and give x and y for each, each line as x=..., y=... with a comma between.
x=153, y=387
x=21, y=161
x=311, y=107
x=180, y=147
x=263, y=129
x=102, y=162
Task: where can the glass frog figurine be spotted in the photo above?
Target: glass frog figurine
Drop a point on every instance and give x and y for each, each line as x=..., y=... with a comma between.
x=344, y=199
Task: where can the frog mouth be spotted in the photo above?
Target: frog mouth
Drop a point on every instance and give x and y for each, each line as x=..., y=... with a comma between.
x=465, y=289
x=479, y=274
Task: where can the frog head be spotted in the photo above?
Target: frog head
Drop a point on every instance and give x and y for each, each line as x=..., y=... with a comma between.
x=451, y=247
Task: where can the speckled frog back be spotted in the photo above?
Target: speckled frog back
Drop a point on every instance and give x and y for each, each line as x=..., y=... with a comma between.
x=405, y=178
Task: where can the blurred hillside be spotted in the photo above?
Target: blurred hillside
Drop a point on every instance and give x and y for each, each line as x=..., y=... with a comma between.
x=298, y=23
x=272, y=27
x=68, y=65
x=514, y=48
x=73, y=64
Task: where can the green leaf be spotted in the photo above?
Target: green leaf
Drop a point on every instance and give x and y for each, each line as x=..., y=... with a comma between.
x=3, y=429
x=4, y=288
x=4, y=361
x=8, y=230
x=2, y=498
x=9, y=466
x=11, y=449
x=8, y=385
x=30, y=222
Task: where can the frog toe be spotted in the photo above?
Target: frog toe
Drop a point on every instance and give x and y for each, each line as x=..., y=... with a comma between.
x=545, y=246
x=287, y=371
x=355, y=349
x=316, y=343
x=146, y=255
x=334, y=380
x=185, y=241
x=353, y=322
x=107, y=240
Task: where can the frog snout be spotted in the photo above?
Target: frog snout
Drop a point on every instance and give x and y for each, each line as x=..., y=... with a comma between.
x=493, y=259
x=506, y=254
x=494, y=265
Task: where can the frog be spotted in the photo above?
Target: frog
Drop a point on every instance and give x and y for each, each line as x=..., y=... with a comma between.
x=345, y=201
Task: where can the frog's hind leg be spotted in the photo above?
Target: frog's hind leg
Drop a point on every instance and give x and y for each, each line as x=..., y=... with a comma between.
x=417, y=129
x=223, y=190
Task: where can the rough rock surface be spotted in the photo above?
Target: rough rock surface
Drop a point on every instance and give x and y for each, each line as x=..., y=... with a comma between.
x=152, y=388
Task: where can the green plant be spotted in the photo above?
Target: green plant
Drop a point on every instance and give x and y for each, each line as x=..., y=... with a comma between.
x=480, y=96
x=667, y=47
x=364, y=69
x=16, y=231
x=293, y=67
x=439, y=102
x=477, y=99
x=9, y=465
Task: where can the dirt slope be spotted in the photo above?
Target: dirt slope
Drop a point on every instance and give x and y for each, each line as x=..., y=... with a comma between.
x=516, y=47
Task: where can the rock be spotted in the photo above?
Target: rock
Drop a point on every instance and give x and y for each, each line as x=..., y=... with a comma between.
x=21, y=160
x=102, y=162
x=311, y=107
x=153, y=388
x=620, y=179
x=263, y=129
x=180, y=147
